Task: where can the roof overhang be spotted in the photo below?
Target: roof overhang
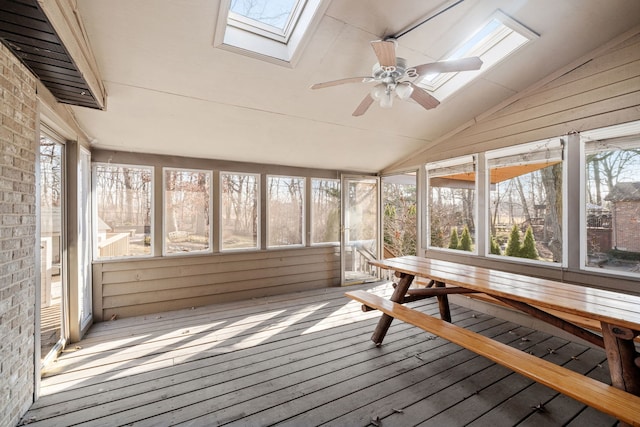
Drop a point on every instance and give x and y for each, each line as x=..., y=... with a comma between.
x=48, y=37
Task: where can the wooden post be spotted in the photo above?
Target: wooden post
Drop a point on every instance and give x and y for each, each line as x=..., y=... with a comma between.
x=622, y=357
x=443, y=303
x=397, y=296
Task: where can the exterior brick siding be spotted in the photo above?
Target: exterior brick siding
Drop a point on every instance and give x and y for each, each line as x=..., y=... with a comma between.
x=18, y=142
x=626, y=223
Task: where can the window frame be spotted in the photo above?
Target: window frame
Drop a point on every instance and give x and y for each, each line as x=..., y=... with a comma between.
x=209, y=250
x=263, y=29
x=312, y=242
x=450, y=163
x=250, y=40
x=303, y=214
x=443, y=85
x=94, y=213
x=603, y=134
x=257, y=247
x=516, y=150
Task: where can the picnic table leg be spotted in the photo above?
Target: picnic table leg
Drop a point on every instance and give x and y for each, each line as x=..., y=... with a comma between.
x=398, y=296
x=622, y=358
x=443, y=303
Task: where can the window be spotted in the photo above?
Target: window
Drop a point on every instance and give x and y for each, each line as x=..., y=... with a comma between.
x=452, y=204
x=239, y=207
x=187, y=211
x=273, y=30
x=325, y=210
x=285, y=211
x=526, y=201
x=494, y=41
x=124, y=210
x=400, y=220
x=273, y=19
x=611, y=208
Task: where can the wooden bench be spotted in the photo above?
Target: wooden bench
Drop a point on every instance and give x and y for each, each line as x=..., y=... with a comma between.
x=608, y=399
x=615, y=315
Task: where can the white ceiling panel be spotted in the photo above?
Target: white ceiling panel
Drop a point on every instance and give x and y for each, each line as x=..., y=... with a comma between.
x=170, y=91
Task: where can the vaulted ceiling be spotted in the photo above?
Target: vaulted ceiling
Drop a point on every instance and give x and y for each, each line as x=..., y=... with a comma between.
x=171, y=91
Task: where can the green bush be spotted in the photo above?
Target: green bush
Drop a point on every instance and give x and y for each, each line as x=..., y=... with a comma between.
x=494, y=247
x=528, y=249
x=453, y=239
x=513, y=245
x=465, y=240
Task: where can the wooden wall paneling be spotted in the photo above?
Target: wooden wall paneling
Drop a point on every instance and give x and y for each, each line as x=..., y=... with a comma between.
x=616, y=81
x=552, y=125
x=309, y=273
x=160, y=284
x=575, y=100
x=177, y=261
x=176, y=280
x=96, y=283
x=152, y=308
x=211, y=267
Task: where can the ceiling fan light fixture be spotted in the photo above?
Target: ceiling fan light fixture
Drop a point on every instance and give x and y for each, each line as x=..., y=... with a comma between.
x=387, y=100
x=378, y=92
x=404, y=91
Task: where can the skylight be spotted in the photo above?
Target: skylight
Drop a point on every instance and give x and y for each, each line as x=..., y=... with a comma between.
x=498, y=38
x=271, y=18
x=273, y=30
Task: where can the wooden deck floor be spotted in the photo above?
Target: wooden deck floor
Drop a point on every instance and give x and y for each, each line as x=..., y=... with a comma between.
x=303, y=359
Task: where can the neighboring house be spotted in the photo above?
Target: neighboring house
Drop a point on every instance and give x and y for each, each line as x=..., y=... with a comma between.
x=625, y=207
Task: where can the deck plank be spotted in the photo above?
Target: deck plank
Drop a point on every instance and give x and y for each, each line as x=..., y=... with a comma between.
x=300, y=359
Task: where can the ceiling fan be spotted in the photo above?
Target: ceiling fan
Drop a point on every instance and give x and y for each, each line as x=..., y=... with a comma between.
x=396, y=79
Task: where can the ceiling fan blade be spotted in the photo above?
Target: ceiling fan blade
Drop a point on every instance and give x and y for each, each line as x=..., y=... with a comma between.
x=423, y=98
x=385, y=52
x=455, y=65
x=341, y=82
x=364, y=106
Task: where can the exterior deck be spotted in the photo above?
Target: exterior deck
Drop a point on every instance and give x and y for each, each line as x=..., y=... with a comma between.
x=303, y=359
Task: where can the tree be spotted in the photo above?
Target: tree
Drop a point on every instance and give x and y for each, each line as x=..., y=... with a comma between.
x=453, y=239
x=494, y=248
x=606, y=167
x=523, y=200
x=552, y=181
x=528, y=249
x=400, y=218
x=513, y=245
x=465, y=240
x=437, y=235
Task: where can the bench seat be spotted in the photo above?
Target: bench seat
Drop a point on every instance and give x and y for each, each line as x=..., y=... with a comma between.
x=603, y=397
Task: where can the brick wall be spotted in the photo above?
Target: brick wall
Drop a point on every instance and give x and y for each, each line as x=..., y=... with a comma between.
x=627, y=225
x=17, y=237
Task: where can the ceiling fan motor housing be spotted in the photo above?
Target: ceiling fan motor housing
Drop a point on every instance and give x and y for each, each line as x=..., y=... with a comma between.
x=389, y=74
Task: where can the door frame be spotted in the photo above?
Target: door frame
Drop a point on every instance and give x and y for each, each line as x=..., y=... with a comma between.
x=43, y=360
x=344, y=211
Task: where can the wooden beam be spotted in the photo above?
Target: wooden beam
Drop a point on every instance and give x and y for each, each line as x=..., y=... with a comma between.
x=432, y=292
x=555, y=321
x=443, y=303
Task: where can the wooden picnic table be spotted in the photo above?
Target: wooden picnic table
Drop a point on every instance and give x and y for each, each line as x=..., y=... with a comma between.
x=617, y=314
